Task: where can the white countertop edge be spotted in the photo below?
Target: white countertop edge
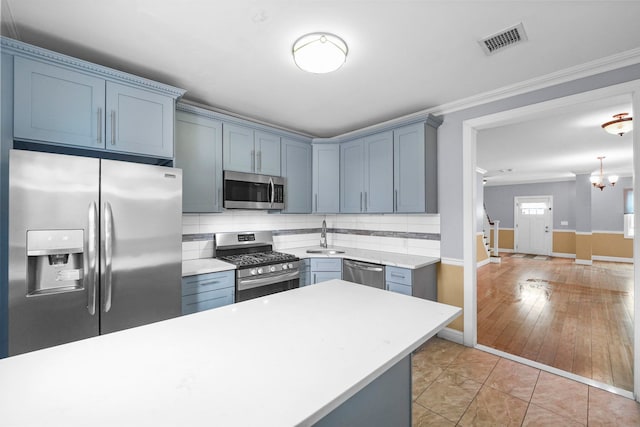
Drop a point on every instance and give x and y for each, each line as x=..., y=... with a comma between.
x=194, y=267
x=393, y=259
x=325, y=410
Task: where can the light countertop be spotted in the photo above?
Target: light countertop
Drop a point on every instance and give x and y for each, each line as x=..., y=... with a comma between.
x=204, y=265
x=376, y=257
x=297, y=355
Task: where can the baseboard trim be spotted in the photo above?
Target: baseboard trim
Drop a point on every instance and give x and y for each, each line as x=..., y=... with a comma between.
x=562, y=255
x=612, y=259
x=509, y=251
x=584, y=262
x=452, y=335
x=483, y=262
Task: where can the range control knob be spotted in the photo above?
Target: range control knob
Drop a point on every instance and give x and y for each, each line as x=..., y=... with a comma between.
x=260, y=271
x=285, y=266
x=253, y=271
x=290, y=265
x=272, y=268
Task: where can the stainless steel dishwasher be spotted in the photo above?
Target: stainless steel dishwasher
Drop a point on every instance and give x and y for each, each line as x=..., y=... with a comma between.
x=363, y=272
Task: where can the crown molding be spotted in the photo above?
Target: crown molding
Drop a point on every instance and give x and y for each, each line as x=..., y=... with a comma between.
x=609, y=63
x=19, y=48
x=222, y=115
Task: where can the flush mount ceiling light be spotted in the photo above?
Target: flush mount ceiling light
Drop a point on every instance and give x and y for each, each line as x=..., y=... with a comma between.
x=598, y=180
x=319, y=52
x=620, y=125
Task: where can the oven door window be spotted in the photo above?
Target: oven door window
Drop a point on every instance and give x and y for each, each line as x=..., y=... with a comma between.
x=261, y=291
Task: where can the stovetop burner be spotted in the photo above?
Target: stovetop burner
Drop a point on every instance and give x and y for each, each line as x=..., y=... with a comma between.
x=257, y=259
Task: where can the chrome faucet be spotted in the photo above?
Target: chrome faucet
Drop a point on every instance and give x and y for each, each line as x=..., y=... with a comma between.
x=323, y=235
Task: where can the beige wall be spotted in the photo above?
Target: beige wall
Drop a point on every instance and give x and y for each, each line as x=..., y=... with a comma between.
x=564, y=242
x=451, y=290
x=583, y=247
x=506, y=238
x=611, y=245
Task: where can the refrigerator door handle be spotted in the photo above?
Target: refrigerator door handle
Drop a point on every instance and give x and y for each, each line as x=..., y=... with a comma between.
x=91, y=259
x=108, y=252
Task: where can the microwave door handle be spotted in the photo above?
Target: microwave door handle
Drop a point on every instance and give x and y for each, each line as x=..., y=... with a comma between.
x=273, y=191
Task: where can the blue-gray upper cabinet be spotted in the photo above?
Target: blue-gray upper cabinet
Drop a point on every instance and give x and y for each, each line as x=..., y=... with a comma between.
x=199, y=155
x=60, y=105
x=296, y=169
x=246, y=150
x=415, y=169
x=139, y=121
x=366, y=174
x=326, y=178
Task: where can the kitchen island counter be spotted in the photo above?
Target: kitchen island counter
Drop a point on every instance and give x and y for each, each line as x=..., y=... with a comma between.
x=292, y=358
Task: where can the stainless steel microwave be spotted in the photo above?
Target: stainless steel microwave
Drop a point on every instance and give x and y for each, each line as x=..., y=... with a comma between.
x=252, y=191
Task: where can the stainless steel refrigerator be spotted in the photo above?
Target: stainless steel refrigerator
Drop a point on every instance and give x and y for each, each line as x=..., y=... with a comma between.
x=94, y=247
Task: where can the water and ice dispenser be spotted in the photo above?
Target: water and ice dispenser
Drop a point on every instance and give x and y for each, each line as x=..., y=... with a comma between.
x=55, y=261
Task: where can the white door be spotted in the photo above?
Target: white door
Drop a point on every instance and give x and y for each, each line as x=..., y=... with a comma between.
x=533, y=225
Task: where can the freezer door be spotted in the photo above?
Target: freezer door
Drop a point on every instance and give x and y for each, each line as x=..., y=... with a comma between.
x=53, y=241
x=141, y=244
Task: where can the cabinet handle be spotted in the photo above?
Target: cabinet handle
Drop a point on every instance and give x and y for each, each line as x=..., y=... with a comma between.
x=260, y=161
x=365, y=202
x=100, y=126
x=397, y=275
x=219, y=198
x=253, y=160
x=314, y=279
x=113, y=127
x=395, y=200
x=361, y=201
x=316, y=202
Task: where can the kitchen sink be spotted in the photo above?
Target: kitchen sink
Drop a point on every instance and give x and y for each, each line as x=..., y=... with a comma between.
x=324, y=251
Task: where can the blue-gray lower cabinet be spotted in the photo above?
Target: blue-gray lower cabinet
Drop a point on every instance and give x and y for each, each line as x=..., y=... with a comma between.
x=323, y=269
x=207, y=291
x=420, y=282
x=305, y=272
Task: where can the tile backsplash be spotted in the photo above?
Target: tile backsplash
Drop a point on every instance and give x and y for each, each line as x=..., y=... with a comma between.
x=414, y=234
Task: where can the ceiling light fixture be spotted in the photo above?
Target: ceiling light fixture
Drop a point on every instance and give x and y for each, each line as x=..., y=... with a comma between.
x=319, y=52
x=598, y=180
x=620, y=125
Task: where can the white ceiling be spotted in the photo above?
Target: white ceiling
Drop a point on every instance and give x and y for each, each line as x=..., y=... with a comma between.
x=404, y=56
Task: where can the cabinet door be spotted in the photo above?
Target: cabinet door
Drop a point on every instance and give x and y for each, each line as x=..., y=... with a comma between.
x=352, y=176
x=409, y=169
x=238, y=148
x=296, y=169
x=267, y=153
x=53, y=104
x=323, y=276
x=326, y=178
x=199, y=155
x=138, y=121
x=378, y=173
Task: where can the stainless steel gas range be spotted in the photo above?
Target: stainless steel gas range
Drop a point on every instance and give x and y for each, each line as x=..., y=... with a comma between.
x=260, y=270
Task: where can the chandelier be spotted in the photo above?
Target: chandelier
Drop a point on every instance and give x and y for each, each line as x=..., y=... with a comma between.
x=620, y=125
x=598, y=180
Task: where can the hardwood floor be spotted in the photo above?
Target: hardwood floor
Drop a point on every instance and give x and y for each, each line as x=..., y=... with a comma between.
x=576, y=318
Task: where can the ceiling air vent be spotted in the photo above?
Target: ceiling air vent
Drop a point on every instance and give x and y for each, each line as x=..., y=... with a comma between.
x=508, y=37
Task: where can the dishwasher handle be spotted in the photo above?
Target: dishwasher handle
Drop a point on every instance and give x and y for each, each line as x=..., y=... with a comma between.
x=363, y=266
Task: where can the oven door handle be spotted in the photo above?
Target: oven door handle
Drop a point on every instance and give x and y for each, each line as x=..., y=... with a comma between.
x=251, y=283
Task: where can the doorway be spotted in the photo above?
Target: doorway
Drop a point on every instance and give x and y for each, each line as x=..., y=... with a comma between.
x=532, y=232
x=470, y=131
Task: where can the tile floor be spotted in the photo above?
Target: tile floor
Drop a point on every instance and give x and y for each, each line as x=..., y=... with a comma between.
x=456, y=385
